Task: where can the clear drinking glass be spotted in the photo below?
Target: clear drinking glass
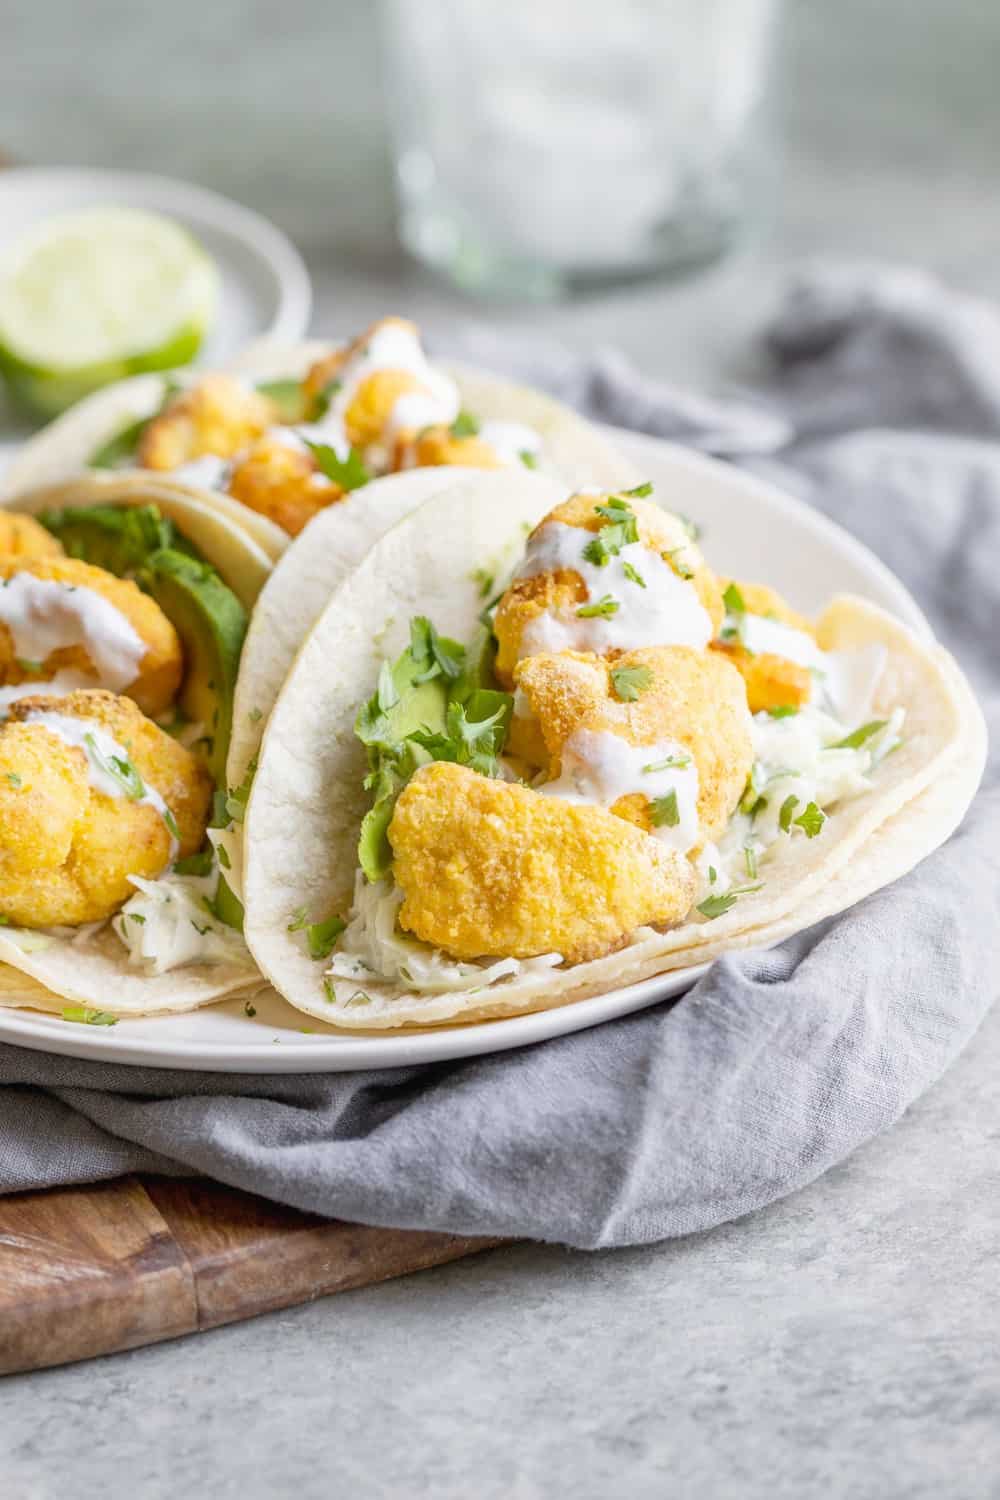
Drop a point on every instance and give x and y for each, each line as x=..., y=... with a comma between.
x=542, y=144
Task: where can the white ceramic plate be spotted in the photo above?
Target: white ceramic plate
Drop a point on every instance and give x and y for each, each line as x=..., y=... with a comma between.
x=265, y=290
x=751, y=528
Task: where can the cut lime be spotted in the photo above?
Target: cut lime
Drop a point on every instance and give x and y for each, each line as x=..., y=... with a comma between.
x=87, y=298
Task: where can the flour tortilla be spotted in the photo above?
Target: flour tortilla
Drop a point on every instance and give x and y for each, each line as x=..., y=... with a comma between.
x=94, y=970
x=307, y=801
x=573, y=450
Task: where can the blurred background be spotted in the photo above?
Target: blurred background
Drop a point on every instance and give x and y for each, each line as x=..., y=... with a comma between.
x=887, y=120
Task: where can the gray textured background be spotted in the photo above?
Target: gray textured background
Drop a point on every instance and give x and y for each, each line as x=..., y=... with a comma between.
x=844, y=1342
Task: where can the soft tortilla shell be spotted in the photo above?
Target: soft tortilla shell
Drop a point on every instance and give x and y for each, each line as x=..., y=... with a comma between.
x=307, y=801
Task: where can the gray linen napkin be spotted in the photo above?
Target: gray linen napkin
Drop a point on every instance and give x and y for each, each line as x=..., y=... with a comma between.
x=777, y=1064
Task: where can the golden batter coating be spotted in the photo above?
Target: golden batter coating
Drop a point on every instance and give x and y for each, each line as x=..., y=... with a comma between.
x=220, y=415
x=24, y=538
x=160, y=669
x=377, y=393
x=439, y=445
x=564, y=589
x=67, y=849
x=771, y=681
x=693, y=698
x=283, y=483
x=490, y=868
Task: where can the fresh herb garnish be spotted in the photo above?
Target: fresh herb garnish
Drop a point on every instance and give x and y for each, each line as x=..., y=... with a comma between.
x=664, y=812
x=137, y=917
x=604, y=608
x=13, y=778
x=475, y=732
x=255, y=715
x=119, y=768
x=484, y=580
x=632, y=574
x=238, y=796
x=528, y=458
x=783, y=711
x=750, y=861
x=640, y=491
x=287, y=396
x=785, y=815
x=433, y=654
x=669, y=763
x=811, y=820
x=621, y=531
x=717, y=906
x=733, y=600
x=465, y=425
x=298, y=920
x=857, y=739
x=630, y=682
x=677, y=563
x=348, y=473
x=170, y=823
x=224, y=859
x=88, y=1016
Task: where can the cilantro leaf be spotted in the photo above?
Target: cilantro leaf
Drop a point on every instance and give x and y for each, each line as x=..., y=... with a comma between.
x=605, y=607
x=195, y=864
x=633, y=574
x=733, y=600
x=630, y=682
x=529, y=459
x=349, y=473
x=783, y=711
x=465, y=425
x=434, y=655
x=717, y=906
x=811, y=820
x=89, y=1016
x=785, y=815
x=681, y=762
x=287, y=396
x=664, y=812
x=640, y=491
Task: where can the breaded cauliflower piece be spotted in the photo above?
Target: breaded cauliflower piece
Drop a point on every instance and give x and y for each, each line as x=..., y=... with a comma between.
x=771, y=681
x=67, y=849
x=220, y=415
x=693, y=698
x=372, y=403
x=439, y=445
x=490, y=868
x=564, y=589
x=283, y=483
x=24, y=538
x=161, y=668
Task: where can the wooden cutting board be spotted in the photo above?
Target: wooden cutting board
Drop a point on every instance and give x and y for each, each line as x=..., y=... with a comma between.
x=91, y=1270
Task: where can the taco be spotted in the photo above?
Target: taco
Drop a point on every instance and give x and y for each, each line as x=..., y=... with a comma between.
x=535, y=748
x=122, y=623
x=290, y=433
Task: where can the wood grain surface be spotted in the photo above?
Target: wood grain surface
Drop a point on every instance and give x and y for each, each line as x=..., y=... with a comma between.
x=92, y=1270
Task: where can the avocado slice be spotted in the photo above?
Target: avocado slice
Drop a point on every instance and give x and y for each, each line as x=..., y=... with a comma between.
x=211, y=623
x=118, y=538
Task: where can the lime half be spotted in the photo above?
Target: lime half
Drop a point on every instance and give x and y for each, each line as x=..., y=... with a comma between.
x=87, y=298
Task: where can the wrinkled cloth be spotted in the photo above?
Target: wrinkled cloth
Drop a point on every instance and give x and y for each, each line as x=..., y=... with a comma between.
x=777, y=1064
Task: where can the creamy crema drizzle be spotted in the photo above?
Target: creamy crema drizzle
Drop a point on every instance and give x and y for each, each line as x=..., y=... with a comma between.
x=44, y=615
x=666, y=612
x=598, y=766
x=101, y=749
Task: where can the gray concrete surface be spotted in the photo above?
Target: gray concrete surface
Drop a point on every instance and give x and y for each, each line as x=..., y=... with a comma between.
x=844, y=1343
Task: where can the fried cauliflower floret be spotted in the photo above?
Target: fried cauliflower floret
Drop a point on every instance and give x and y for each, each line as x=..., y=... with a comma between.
x=24, y=538
x=67, y=849
x=219, y=416
x=563, y=590
x=771, y=681
x=283, y=483
x=692, y=698
x=377, y=393
x=489, y=868
x=159, y=670
x=439, y=445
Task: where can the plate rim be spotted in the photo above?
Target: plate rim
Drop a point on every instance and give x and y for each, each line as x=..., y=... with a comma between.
x=400, y=1049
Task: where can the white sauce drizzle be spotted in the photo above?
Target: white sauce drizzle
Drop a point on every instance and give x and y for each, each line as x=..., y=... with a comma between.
x=391, y=347
x=44, y=615
x=844, y=682
x=667, y=612
x=601, y=767
x=89, y=736
x=510, y=439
